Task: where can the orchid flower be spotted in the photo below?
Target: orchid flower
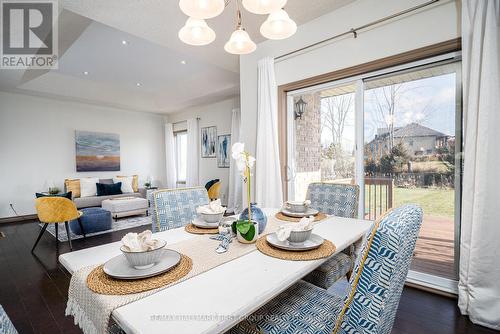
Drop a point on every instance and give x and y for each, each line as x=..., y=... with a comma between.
x=244, y=163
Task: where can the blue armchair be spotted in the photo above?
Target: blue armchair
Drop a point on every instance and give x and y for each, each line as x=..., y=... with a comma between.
x=339, y=200
x=174, y=208
x=376, y=285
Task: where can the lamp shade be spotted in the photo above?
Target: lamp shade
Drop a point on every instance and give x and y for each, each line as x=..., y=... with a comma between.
x=202, y=9
x=278, y=26
x=263, y=6
x=240, y=43
x=196, y=32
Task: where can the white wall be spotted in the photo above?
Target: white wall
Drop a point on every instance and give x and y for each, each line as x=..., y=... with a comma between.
x=37, y=145
x=426, y=27
x=217, y=114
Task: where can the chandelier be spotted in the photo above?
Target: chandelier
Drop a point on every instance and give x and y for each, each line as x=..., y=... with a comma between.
x=197, y=32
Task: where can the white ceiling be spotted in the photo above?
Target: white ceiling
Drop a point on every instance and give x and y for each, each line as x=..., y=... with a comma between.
x=90, y=34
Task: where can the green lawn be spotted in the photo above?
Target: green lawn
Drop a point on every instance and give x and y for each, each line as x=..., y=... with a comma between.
x=434, y=202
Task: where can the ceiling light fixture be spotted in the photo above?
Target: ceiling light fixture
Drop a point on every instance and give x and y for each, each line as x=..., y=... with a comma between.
x=278, y=25
x=240, y=42
x=196, y=31
x=85, y=73
x=183, y=62
x=124, y=42
x=202, y=9
x=138, y=84
x=263, y=6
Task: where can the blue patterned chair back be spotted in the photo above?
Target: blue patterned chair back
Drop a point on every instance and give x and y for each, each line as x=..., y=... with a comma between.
x=6, y=326
x=336, y=199
x=380, y=272
x=174, y=208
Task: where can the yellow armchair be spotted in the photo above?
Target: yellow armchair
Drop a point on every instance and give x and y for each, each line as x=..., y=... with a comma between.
x=214, y=191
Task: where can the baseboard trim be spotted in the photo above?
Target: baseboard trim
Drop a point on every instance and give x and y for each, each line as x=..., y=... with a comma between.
x=16, y=219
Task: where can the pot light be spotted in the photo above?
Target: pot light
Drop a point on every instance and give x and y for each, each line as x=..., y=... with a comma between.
x=183, y=62
x=85, y=73
x=278, y=26
x=202, y=9
x=240, y=43
x=263, y=6
x=124, y=42
x=138, y=84
x=196, y=32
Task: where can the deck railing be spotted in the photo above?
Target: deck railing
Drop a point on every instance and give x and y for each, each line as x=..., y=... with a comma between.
x=378, y=196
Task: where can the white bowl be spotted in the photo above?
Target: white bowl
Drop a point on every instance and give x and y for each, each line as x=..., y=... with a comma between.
x=145, y=259
x=299, y=207
x=211, y=218
x=297, y=237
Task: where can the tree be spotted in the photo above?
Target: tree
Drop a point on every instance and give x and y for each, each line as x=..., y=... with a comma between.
x=334, y=116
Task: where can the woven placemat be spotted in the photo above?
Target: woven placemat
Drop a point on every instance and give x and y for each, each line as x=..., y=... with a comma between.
x=198, y=230
x=99, y=282
x=325, y=250
x=281, y=216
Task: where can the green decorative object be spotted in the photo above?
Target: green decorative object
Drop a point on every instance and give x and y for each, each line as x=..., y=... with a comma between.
x=54, y=190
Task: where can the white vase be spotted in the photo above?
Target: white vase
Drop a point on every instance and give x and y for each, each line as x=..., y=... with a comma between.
x=243, y=240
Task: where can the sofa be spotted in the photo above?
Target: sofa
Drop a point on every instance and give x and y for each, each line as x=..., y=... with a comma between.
x=95, y=201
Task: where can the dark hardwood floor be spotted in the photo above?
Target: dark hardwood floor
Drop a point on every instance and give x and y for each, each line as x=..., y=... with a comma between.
x=33, y=288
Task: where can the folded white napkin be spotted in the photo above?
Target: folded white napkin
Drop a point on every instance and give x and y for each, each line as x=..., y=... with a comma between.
x=211, y=208
x=133, y=242
x=304, y=224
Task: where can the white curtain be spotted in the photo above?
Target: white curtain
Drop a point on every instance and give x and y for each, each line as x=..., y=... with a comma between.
x=193, y=156
x=268, y=188
x=171, y=166
x=479, y=283
x=234, y=202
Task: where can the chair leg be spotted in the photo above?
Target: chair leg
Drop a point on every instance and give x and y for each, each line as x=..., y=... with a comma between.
x=57, y=233
x=81, y=227
x=69, y=235
x=39, y=236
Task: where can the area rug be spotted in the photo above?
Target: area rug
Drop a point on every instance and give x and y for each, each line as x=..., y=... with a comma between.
x=120, y=224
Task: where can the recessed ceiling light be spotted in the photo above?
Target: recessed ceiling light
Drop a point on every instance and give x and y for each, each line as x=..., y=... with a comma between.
x=183, y=62
x=85, y=73
x=124, y=42
x=138, y=84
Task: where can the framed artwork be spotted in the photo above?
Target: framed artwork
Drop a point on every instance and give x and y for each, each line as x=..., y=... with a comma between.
x=223, y=151
x=97, y=151
x=208, y=142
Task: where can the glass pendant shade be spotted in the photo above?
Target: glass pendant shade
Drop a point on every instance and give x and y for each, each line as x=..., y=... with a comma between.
x=240, y=43
x=263, y=6
x=196, y=32
x=278, y=26
x=202, y=9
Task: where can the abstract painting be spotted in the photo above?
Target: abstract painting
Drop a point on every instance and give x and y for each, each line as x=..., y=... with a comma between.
x=223, y=151
x=208, y=142
x=97, y=151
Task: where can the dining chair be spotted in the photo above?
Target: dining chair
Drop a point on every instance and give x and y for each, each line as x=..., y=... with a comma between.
x=6, y=326
x=214, y=191
x=174, y=208
x=339, y=200
x=55, y=210
x=375, y=287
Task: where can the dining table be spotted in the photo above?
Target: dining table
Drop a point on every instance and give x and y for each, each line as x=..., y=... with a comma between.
x=215, y=300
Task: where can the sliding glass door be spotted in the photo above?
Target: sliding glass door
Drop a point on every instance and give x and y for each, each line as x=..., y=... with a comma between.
x=397, y=134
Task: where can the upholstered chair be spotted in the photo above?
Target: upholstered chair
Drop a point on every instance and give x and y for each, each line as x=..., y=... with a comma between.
x=375, y=287
x=174, y=208
x=6, y=326
x=214, y=191
x=55, y=210
x=339, y=200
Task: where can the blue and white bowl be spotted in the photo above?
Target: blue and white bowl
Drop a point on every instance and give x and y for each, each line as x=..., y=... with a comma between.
x=145, y=259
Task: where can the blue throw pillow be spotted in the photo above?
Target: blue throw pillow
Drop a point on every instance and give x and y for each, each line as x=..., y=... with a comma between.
x=67, y=195
x=109, y=189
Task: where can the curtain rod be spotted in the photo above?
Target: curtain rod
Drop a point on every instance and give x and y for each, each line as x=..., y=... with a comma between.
x=179, y=122
x=354, y=31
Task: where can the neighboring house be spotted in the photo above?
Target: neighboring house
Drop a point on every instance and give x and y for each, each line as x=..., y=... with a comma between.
x=417, y=139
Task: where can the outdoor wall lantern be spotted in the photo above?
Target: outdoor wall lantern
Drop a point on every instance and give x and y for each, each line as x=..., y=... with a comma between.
x=300, y=108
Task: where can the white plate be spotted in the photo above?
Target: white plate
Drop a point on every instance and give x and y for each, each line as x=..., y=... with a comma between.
x=313, y=242
x=203, y=224
x=309, y=212
x=118, y=267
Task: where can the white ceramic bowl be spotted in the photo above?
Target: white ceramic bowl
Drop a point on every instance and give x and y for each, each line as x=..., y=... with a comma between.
x=145, y=259
x=299, y=207
x=297, y=237
x=211, y=218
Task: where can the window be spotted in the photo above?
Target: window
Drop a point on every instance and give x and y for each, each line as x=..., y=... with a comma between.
x=181, y=155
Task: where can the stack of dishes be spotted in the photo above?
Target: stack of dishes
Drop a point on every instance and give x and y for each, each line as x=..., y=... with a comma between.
x=136, y=265
x=298, y=209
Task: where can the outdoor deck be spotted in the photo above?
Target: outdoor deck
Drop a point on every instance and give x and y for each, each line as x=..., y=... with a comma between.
x=434, y=252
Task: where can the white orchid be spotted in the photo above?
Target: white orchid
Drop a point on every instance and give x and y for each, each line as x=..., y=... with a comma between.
x=244, y=161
